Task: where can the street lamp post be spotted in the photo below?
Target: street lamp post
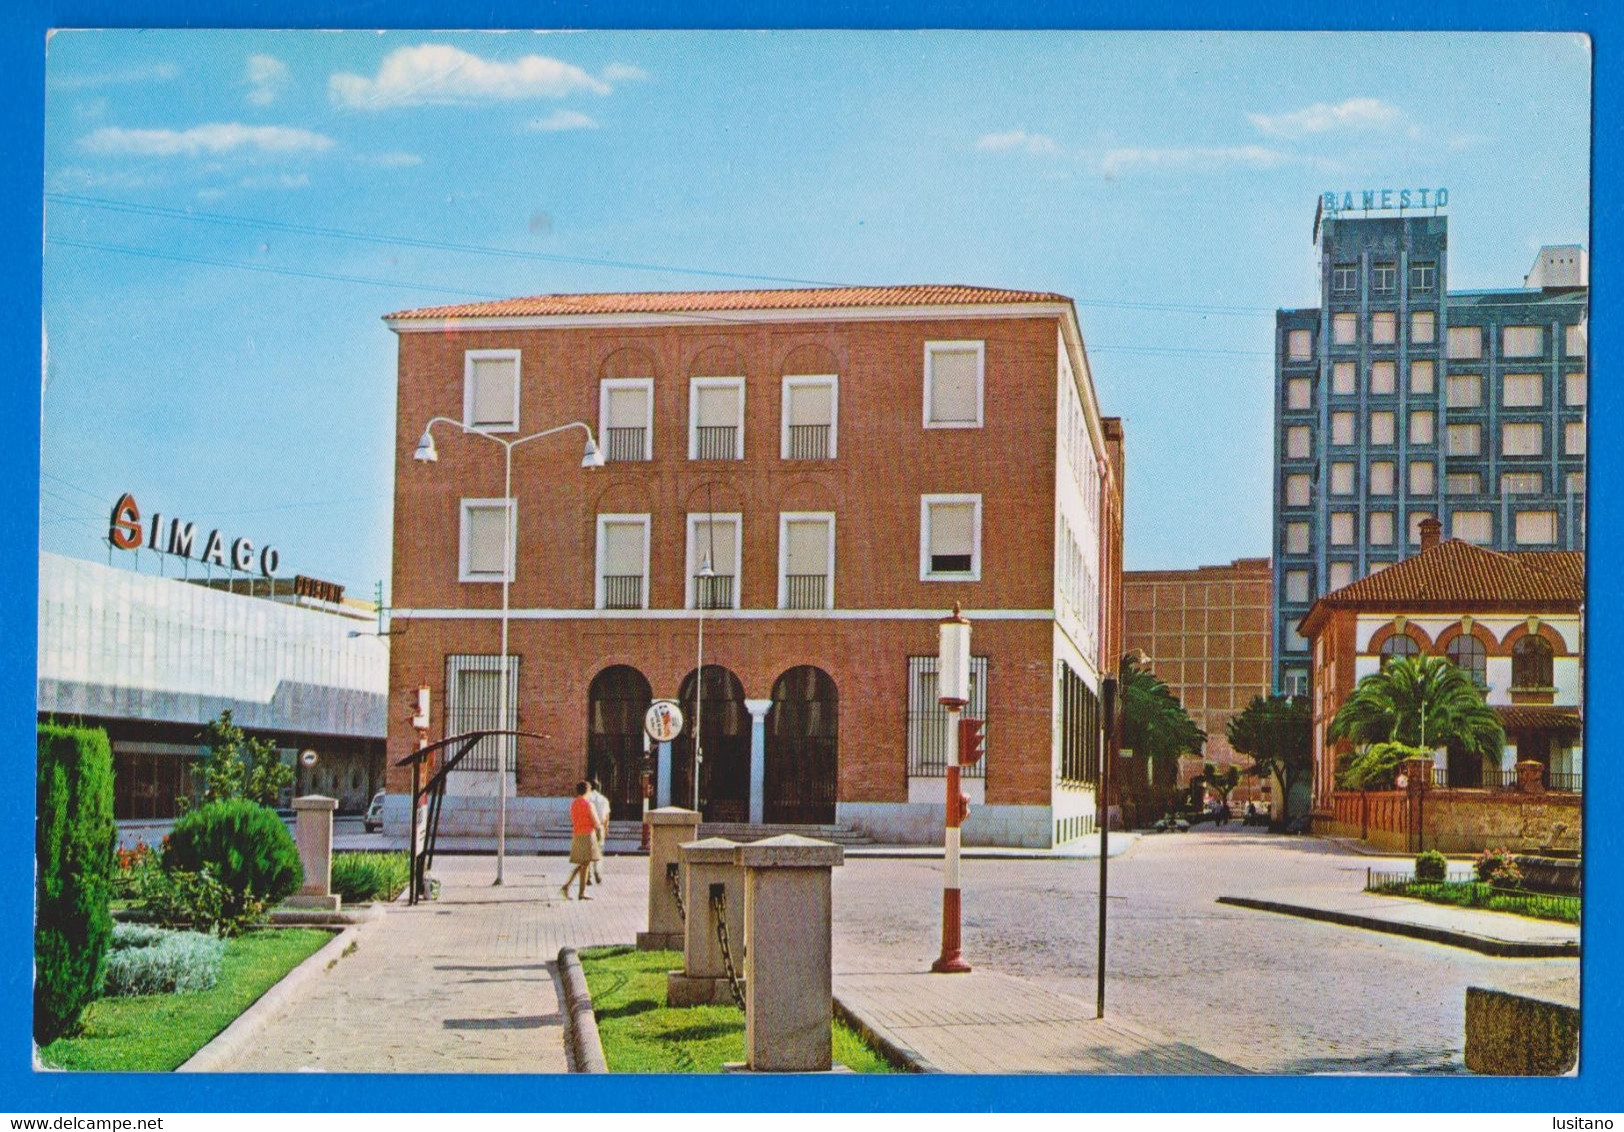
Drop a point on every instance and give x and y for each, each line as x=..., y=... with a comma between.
x=426, y=453
x=702, y=595
x=1110, y=688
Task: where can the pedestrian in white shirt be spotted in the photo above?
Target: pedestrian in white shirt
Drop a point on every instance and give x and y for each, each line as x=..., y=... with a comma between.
x=601, y=805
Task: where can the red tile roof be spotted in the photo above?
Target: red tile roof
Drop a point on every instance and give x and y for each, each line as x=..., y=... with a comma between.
x=1526, y=717
x=1460, y=575
x=682, y=302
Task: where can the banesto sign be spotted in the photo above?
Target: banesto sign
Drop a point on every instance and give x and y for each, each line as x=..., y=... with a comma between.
x=126, y=531
x=1369, y=200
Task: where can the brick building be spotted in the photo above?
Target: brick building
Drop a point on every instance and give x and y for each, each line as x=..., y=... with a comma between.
x=812, y=478
x=1206, y=632
x=1514, y=621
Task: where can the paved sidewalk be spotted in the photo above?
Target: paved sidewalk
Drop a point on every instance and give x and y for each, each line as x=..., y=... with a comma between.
x=985, y=1022
x=1492, y=933
x=464, y=984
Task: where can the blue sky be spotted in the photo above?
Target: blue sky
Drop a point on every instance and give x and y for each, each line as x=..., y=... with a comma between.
x=229, y=213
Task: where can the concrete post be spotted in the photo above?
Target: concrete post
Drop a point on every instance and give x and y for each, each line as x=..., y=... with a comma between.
x=1531, y=776
x=313, y=830
x=703, y=978
x=758, y=757
x=787, y=911
x=669, y=827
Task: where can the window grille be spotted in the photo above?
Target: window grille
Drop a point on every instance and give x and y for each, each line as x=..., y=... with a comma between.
x=927, y=718
x=473, y=703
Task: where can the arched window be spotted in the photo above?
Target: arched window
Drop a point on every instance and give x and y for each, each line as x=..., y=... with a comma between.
x=1468, y=654
x=1531, y=663
x=1399, y=644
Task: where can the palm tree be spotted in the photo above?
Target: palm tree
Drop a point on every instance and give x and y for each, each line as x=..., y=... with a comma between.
x=1157, y=729
x=1425, y=701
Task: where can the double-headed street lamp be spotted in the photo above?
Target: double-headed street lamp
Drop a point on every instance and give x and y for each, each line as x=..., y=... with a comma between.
x=426, y=453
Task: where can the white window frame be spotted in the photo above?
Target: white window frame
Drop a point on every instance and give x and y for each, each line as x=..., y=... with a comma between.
x=694, y=385
x=646, y=384
x=832, y=380
x=980, y=347
x=626, y=519
x=469, y=357
x=464, y=574
x=785, y=518
x=692, y=561
x=925, y=573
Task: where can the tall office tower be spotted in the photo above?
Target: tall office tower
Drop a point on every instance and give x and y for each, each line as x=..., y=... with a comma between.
x=1397, y=400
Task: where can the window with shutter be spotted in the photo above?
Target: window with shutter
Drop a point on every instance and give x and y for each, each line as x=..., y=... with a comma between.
x=1381, y=528
x=1465, y=440
x=1296, y=538
x=1381, y=428
x=953, y=376
x=1522, y=439
x=1342, y=379
x=1536, y=528
x=626, y=418
x=1342, y=528
x=1465, y=391
x=1423, y=327
x=1344, y=329
x=1341, y=574
x=1382, y=477
x=1473, y=526
x=1300, y=345
x=1383, y=377
x=713, y=538
x=491, y=390
x=951, y=537
x=1341, y=479
x=1522, y=483
x=806, y=564
x=485, y=525
x=1421, y=426
x=809, y=418
x=1298, y=442
x=1522, y=390
x=1383, y=328
x=623, y=561
x=1522, y=341
x=1574, y=344
x=1573, y=388
x=1465, y=483
x=1299, y=393
x=1422, y=478
x=1465, y=342
x=1341, y=428
x=717, y=418
x=1297, y=585
x=1297, y=491
x=1573, y=438
x=1421, y=378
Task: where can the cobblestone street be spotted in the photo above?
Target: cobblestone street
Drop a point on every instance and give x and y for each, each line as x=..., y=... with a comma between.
x=1270, y=993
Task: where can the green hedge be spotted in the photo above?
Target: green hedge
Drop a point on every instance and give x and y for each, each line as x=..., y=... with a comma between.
x=243, y=846
x=149, y=960
x=73, y=856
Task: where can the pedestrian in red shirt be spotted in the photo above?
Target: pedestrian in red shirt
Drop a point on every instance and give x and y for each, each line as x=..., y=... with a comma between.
x=585, y=848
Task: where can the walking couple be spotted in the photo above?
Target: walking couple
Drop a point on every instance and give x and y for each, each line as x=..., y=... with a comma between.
x=589, y=828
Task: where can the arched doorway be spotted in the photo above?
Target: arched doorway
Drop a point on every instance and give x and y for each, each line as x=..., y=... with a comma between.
x=616, y=701
x=802, y=755
x=724, y=778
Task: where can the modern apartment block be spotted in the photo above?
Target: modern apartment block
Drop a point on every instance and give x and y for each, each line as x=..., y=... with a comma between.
x=806, y=481
x=1206, y=632
x=1398, y=400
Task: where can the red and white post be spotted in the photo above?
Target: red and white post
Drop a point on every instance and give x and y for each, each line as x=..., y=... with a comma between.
x=953, y=687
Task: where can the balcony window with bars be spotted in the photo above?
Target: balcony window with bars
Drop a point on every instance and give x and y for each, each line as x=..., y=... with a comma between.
x=626, y=418
x=713, y=538
x=927, y=718
x=623, y=561
x=490, y=391
x=716, y=418
x=486, y=523
x=474, y=703
x=809, y=418
x=950, y=537
x=806, y=557
x=953, y=384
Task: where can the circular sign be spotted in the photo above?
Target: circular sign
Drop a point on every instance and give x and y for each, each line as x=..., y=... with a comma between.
x=663, y=720
x=308, y=758
x=1402, y=781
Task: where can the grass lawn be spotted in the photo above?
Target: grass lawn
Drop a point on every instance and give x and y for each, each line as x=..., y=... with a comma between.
x=642, y=1035
x=1476, y=894
x=157, y=1032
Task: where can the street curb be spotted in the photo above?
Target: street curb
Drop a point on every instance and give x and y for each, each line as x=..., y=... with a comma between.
x=898, y=1052
x=581, y=1039
x=1483, y=944
x=246, y=1026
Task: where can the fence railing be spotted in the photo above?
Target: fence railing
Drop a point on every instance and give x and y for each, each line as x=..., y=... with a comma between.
x=625, y=444
x=1548, y=905
x=714, y=592
x=1561, y=782
x=623, y=591
x=809, y=442
x=805, y=591
x=716, y=442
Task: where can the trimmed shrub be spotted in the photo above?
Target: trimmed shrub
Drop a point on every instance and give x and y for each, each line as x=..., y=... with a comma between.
x=138, y=935
x=1498, y=867
x=360, y=877
x=73, y=860
x=169, y=963
x=246, y=849
x=1431, y=866
x=186, y=899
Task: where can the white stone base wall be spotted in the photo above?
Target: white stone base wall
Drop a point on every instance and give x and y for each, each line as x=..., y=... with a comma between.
x=475, y=816
x=903, y=823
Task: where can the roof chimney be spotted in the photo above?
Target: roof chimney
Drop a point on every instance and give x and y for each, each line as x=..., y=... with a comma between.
x=1430, y=530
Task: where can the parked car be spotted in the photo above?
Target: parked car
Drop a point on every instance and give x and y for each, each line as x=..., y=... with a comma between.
x=373, y=821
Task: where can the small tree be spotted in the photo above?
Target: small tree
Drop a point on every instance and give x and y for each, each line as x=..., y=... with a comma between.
x=1221, y=782
x=73, y=862
x=1277, y=732
x=1158, y=730
x=240, y=767
x=1376, y=767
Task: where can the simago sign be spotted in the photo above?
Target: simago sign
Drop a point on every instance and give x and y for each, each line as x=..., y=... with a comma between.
x=168, y=535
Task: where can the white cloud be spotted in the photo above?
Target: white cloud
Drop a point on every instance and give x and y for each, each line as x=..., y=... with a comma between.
x=211, y=138
x=157, y=72
x=624, y=73
x=1322, y=117
x=1018, y=141
x=267, y=75
x=1122, y=159
x=393, y=159
x=562, y=120
x=433, y=73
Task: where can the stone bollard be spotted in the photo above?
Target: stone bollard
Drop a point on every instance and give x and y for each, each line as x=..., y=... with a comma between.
x=313, y=829
x=703, y=978
x=1531, y=776
x=669, y=827
x=788, y=969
